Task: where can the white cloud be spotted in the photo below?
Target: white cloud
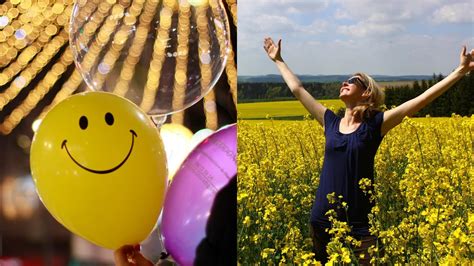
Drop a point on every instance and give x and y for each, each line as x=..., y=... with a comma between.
x=317, y=26
x=313, y=43
x=366, y=29
x=284, y=6
x=251, y=34
x=374, y=17
x=454, y=13
x=341, y=14
x=269, y=24
x=343, y=36
x=384, y=11
x=286, y=19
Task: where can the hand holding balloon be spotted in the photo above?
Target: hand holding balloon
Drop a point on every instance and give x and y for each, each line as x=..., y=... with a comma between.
x=130, y=255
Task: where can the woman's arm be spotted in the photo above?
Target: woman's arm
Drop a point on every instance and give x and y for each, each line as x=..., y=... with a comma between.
x=395, y=116
x=315, y=108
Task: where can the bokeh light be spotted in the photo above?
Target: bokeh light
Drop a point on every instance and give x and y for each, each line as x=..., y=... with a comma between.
x=163, y=56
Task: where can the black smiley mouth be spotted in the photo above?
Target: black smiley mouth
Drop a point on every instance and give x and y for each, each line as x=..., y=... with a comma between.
x=63, y=145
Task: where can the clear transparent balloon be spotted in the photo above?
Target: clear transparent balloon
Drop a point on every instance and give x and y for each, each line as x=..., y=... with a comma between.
x=162, y=55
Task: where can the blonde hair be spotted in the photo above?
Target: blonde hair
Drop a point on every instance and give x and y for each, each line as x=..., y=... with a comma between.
x=371, y=104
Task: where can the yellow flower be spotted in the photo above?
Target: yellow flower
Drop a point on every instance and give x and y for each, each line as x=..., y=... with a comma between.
x=422, y=191
x=266, y=252
x=246, y=220
x=331, y=197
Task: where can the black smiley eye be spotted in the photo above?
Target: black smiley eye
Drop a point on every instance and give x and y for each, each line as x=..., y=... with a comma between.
x=83, y=122
x=109, y=119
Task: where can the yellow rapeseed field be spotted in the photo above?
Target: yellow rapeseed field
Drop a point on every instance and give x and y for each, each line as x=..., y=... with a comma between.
x=423, y=189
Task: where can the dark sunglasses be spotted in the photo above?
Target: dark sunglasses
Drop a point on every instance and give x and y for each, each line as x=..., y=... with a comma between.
x=353, y=80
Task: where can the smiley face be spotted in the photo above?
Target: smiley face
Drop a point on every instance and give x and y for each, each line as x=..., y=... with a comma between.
x=99, y=166
x=83, y=123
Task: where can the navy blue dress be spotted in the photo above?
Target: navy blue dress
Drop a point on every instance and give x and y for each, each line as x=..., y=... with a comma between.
x=347, y=159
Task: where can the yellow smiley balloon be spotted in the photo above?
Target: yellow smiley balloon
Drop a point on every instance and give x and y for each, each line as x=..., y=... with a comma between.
x=100, y=168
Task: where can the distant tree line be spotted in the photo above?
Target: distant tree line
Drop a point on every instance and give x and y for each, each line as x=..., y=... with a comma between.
x=270, y=91
x=459, y=99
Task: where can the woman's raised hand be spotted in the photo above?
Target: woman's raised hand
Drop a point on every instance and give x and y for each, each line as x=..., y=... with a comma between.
x=272, y=49
x=466, y=63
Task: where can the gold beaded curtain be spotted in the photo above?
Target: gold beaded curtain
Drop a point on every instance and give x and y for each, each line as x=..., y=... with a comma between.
x=37, y=68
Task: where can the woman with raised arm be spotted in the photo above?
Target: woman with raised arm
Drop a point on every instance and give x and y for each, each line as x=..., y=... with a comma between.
x=352, y=142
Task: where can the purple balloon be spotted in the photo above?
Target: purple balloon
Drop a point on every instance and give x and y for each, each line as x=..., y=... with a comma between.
x=189, y=199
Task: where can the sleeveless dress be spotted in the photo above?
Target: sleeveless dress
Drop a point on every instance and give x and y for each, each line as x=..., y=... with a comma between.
x=347, y=159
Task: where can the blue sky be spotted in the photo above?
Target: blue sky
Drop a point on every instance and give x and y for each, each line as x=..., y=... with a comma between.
x=404, y=37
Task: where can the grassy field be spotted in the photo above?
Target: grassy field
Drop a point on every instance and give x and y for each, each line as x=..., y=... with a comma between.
x=292, y=110
x=277, y=110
